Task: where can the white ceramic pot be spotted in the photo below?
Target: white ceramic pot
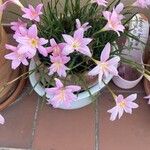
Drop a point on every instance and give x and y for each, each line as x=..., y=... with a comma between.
x=84, y=98
x=139, y=27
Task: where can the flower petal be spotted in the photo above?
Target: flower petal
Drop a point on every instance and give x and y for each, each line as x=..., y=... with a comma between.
x=2, y=120
x=58, y=83
x=131, y=97
x=105, y=53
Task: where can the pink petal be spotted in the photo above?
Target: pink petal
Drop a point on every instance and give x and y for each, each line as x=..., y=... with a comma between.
x=78, y=23
x=113, y=70
x=67, y=50
x=25, y=62
x=11, y=47
x=15, y=64
x=147, y=97
x=119, y=8
x=11, y=56
x=74, y=88
x=58, y=83
x=51, y=91
x=105, y=53
x=119, y=98
x=128, y=110
x=85, y=50
x=114, y=113
x=86, y=41
x=31, y=8
x=78, y=34
x=23, y=31
x=39, y=7
x=42, y=50
x=69, y=39
x=94, y=71
x=43, y=41
x=120, y=110
x=100, y=76
x=53, y=42
x=32, y=32
x=37, y=19
x=131, y=97
x=107, y=14
x=56, y=101
x=2, y=120
x=132, y=105
x=114, y=61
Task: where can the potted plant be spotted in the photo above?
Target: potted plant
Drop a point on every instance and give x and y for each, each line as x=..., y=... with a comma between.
x=72, y=52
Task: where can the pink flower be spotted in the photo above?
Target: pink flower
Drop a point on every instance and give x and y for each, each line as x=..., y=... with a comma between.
x=148, y=97
x=142, y=3
x=16, y=25
x=55, y=48
x=100, y=2
x=61, y=94
x=58, y=65
x=4, y=5
x=33, y=13
x=16, y=57
x=114, y=19
x=123, y=104
x=30, y=42
x=77, y=42
x=21, y=32
x=105, y=67
x=85, y=26
x=2, y=120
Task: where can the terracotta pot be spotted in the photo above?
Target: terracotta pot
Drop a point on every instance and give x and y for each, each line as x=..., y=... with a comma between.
x=147, y=83
x=6, y=73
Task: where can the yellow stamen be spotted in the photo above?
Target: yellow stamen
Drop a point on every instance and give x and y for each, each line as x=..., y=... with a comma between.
x=122, y=104
x=34, y=42
x=76, y=45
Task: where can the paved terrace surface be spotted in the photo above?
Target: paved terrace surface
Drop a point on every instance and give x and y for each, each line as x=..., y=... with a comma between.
x=30, y=124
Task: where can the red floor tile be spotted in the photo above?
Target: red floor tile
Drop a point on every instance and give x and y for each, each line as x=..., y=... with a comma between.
x=131, y=132
x=17, y=131
x=65, y=130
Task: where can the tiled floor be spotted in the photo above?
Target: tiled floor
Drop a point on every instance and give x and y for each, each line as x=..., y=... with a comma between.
x=30, y=124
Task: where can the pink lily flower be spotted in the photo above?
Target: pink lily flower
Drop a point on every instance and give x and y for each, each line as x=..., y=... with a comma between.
x=114, y=19
x=142, y=3
x=100, y=2
x=16, y=57
x=105, y=66
x=77, y=42
x=21, y=32
x=123, y=104
x=85, y=26
x=4, y=5
x=61, y=94
x=2, y=120
x=33, y=13
x=55, y=48
x=31, y=42
x=148, y=97
x=17, y=24
x=58, y=65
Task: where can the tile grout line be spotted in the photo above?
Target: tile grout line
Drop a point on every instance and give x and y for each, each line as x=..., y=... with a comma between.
x=97, y=125
x=35, y=121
